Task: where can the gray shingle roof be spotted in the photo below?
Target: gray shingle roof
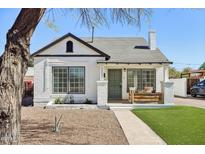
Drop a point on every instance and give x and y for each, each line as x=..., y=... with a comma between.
x=128, y=50
x=117, y=49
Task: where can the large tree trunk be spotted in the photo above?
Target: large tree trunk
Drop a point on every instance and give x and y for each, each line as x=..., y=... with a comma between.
x=13, y=66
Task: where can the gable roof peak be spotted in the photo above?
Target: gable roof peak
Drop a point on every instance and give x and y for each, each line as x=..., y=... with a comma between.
x=77, y=39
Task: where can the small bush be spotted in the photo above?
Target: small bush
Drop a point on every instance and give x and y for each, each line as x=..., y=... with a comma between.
x=87, y=101
x=58, y=100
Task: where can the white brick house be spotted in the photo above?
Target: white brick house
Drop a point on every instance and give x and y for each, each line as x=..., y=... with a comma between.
x=72, y=66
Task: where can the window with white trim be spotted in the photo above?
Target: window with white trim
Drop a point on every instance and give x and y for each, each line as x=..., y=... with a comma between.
x=69, y=80
x=76, y=79
x=60, y=79
x=141, y=78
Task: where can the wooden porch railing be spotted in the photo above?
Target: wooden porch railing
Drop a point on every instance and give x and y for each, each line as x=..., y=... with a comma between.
x=135, y=97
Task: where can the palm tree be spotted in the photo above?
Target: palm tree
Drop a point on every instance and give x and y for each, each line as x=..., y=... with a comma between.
x=15, y=59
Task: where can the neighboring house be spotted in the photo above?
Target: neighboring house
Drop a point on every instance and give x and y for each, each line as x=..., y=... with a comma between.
x=29, y=74
x=194, y=74
x=28, y=87
x=28, y=80
x=72, y=66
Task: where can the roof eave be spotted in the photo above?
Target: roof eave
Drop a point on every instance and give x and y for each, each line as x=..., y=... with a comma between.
x=107, y=57
x=110, y=62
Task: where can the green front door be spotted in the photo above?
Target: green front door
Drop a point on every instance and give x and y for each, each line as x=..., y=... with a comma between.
x=114, y=84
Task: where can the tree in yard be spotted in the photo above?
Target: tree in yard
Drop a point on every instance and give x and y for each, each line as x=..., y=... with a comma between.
x=13, y=66
x=15, y=59
x=186, y=70
x=173, y=73
x=30, y=62
x=202, y=67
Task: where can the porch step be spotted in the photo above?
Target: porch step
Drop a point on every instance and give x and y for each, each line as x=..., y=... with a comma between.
x=132, y=106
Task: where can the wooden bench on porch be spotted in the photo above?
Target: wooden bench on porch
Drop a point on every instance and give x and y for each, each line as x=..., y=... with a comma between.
x=145, y=97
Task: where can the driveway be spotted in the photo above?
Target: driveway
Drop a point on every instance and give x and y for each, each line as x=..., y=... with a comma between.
x=190, y=101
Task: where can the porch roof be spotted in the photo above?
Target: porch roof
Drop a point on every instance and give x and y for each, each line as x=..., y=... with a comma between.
x=123, y=62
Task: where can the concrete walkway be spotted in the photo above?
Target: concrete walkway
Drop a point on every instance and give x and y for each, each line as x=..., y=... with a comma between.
x=190, y=101
x=136, y=131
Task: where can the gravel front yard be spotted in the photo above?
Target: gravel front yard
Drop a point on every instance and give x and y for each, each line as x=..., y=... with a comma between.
x=79, y=126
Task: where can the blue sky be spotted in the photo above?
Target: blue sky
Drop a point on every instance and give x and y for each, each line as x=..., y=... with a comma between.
x=180, y=32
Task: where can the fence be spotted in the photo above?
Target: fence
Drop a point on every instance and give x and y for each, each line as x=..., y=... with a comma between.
x=180, y=87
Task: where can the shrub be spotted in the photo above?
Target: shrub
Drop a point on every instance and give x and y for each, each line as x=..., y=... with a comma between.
x=58, y=100
x=87, y=101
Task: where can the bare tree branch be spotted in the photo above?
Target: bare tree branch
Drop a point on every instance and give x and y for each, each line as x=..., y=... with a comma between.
x=101, y=16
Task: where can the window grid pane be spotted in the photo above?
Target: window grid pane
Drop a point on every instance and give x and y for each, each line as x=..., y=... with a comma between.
x=68, y=79
x=141, y=78
x=60, y=79
x=148, y=78
x=77, y=79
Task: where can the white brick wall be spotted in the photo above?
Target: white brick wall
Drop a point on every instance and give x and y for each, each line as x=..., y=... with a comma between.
x=43, y=72
x=43, y=80
x=168, y=92
x=102, y=93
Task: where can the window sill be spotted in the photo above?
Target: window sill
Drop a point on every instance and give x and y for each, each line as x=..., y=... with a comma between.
x=68, y=94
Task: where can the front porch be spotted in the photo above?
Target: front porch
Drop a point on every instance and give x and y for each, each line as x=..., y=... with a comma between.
x=134, y=85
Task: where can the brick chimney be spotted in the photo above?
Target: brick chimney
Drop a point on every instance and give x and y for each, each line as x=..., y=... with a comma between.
x=152, y=40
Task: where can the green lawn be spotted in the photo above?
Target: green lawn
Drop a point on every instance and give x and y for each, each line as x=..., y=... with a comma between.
x=176, y=125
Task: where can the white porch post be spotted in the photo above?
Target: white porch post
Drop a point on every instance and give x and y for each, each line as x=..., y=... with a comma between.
x=102, y=93
x=167, y=87
x=168, y=92
x=102, y=71
x=166, y=73
x=124, y=84
x=102, y=89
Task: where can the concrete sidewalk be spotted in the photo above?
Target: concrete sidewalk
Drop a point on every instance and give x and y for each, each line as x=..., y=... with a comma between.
x=136, y=131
